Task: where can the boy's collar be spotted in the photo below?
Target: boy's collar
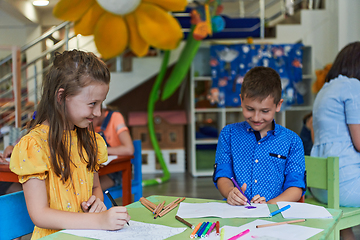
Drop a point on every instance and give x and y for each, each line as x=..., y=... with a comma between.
x=274, y=130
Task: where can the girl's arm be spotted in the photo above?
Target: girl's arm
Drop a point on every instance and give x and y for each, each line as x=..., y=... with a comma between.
x=126, y=147
x=45, y=217
x=355, y=135
x=292, y=194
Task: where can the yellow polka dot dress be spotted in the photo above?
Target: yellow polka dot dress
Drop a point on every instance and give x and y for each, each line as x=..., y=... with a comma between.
x=31, y=159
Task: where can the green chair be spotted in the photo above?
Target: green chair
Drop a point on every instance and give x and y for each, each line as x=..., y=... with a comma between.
x=323, y=173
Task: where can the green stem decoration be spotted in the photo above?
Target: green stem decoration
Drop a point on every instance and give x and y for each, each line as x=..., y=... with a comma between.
x=154, y=97
x=176, y=77
x=182, y=66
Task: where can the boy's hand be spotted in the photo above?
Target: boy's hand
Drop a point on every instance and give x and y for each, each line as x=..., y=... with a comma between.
x=235, y=197
x=113, y=219
x=258, y=199
x=94, y=204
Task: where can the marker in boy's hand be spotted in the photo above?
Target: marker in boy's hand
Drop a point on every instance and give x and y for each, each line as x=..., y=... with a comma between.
x=94, y=204
x=235, y=197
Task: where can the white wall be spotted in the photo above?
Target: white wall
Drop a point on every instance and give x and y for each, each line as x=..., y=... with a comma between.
x=349, y=22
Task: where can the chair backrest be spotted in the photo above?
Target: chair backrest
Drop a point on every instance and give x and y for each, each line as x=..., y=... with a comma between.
x=137, y=164
x=323, y=173
x=14, y=217
x=136, y=182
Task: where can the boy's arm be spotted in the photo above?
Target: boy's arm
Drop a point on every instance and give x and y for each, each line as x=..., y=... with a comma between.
x=292, y=194
x=45, y=217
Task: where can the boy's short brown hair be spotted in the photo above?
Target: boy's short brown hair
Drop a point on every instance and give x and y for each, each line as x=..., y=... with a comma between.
x=261, y=82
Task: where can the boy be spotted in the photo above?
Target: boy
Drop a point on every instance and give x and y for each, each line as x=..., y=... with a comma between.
x=262, y=156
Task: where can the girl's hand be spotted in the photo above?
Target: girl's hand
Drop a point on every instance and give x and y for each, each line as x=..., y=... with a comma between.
x=113, y=219
x=94, y=204
x=235, y=197
x=258, y=199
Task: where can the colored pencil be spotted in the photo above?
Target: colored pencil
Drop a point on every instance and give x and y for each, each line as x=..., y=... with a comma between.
x=159, y=209
x=195, y=230
x=175, y=204
x=280, y=223
x=169, y=205
x=148, y=207
x=151, y=204
x=184, y=222
x=167, y=210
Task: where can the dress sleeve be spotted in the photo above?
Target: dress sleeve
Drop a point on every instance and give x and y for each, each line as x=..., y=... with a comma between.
x=102, y=150
x=30, y=159
x=352, y=103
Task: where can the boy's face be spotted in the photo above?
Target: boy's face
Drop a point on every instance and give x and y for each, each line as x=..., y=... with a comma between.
x=260, y=114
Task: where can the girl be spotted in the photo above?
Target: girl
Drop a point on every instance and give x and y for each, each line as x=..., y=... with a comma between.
x=58, y=159
x=336, y=126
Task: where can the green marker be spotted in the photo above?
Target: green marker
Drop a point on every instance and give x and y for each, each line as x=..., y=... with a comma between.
x=206, y=230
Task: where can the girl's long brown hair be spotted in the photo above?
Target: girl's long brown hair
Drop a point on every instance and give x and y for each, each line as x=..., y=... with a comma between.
x=71, y=71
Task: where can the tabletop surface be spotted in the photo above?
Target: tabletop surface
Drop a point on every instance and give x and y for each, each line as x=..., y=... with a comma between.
x=139, y=213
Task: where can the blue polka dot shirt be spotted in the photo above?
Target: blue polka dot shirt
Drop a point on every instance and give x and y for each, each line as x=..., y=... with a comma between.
x=268, y=165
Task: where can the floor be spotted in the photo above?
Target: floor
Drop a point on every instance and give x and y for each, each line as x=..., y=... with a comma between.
x=184, y=185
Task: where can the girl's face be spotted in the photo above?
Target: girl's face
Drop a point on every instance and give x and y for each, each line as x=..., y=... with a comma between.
x=83, y=107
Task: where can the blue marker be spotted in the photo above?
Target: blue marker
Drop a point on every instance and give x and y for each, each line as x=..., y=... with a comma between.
x=200, y=228
x=280, y=210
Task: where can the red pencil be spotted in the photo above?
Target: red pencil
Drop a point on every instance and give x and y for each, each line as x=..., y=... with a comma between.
x=217, y=228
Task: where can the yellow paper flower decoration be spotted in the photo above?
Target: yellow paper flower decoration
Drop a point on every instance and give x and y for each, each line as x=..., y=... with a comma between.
x=117, y=24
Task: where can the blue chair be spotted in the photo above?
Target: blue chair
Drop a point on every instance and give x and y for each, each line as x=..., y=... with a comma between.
x=14, y=217
x=136, y=182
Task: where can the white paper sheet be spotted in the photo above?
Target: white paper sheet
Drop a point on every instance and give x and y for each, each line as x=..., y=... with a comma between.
x=222, y=210
x=136, y=231
x=280, y=232
x=110, y=158
x=303, y=210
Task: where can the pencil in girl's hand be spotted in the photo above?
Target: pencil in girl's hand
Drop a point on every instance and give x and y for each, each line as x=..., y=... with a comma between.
x=184, y=222
x=113, y=201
